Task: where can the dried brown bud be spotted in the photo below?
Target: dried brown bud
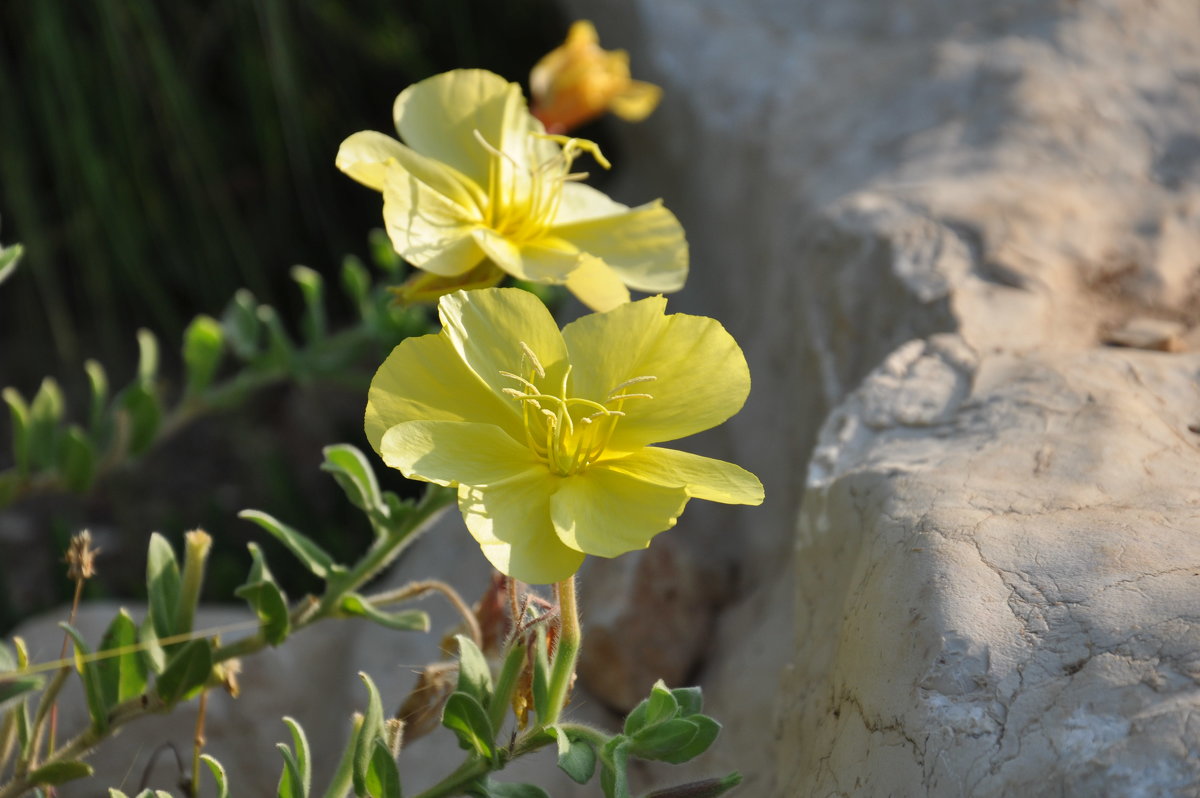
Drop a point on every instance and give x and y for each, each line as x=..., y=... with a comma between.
x=81, y=557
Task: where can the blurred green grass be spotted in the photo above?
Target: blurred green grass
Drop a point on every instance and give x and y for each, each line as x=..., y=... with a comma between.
x=155, y=157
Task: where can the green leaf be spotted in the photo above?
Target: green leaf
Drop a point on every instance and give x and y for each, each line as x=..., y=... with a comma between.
x=576, y=757
x=383, y=253
x=312, y=286
x=372, y=729
x=147, y=356
x=218, y=773
x=266, y=598
x=501, y=789
x=77, y=459
x=706, y=733
x=383, y=777
x=356, y=280
x=474, y=673
x=343, y=777
x=162, y=585
x=541, y=674
x=310, y=554
x=203, y=345
x=662, y=739
x=291, y=782
x=122, y=676
x=60, y=772
x=708, y=788
x=464, y=716
x=98, y=383
x=303, y=753
x=152, y=652
x=93, y=690
x=12, y=688
x=614, y=777
x=8, y=260
x=240, y=322
x=140, y=407
x=354, y=474
x=186, y=673
x=45, y=413
x=405, y=620
x=280, y=349
x=19, y=414
x=660, y=706
x=689, y=699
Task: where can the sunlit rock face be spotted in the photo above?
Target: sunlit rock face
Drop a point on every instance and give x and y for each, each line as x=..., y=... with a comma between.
x=922, y=221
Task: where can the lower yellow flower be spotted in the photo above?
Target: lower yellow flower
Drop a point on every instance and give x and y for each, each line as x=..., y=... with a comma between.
x=549, y=436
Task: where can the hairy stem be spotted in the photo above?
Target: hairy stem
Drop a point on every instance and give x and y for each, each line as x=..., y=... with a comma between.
x=563, y=668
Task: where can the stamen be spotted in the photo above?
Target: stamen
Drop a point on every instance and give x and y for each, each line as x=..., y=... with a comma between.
x=632, y=381
x=519, y=379
x=630, y=396
x=537, y=364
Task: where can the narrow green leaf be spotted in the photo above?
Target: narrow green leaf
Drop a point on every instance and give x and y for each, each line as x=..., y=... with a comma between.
x=660, y=706
x=280, y=349
x=354, y=474
x=45, y=413
x=77, y=459
x=291, y=783
x=186, y=672
x=707, y=731
x=123, y=676
x=147, y=356
x=240, y=322
x=474, y=674
x=9, y=256
x=383, y=253
x=162, y=585
x=303, y=753
x=689, y=699
x=405, y=620
x=356, y=280
x=309, y=553
x=708, y=788
x=662, y=739
x=218, y=774
x=59, y=772
x=19, y=414
x=383, y=777
x=143, y=413
x=614, y=777
x=152, y=652
x=12, y=688
x=343, y=777
x=502, y=789
x=576, y=758
x=266, y=598
x=372, y=729
x=464, y=716
x=203, y=345
x=93, y=691
x=98, y=383
x=312, y=287
x=113, y=792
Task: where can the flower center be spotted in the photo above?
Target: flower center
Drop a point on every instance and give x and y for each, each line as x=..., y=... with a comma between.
x=567, y=432
x=523, y=199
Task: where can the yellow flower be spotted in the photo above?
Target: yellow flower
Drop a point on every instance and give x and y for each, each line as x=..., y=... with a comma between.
x=478, y=180
x=579, y=80
x=549, y=436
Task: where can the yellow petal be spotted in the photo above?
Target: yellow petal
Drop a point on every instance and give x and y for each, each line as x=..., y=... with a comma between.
x=596, y=285
x=637, y=101
x=365, y=156
x=487, y=328
x=457, y=452
x=426, y=228
x=700, y=375
x=607, y=513
x=438, y=117
x=645, y=245
x=702, y=477
x=425, y=287
x=512, y=525
x=424, y=379
x=581, y=202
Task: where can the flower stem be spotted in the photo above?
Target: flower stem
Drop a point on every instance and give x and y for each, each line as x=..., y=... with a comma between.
x=514, y=660
x=569, y=636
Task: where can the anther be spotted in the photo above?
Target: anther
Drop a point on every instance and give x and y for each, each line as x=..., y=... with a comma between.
x=537, y=365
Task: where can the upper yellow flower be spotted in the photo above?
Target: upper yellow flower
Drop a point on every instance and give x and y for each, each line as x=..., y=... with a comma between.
x=579, y=80
x=549, y=435
x=478, y=179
